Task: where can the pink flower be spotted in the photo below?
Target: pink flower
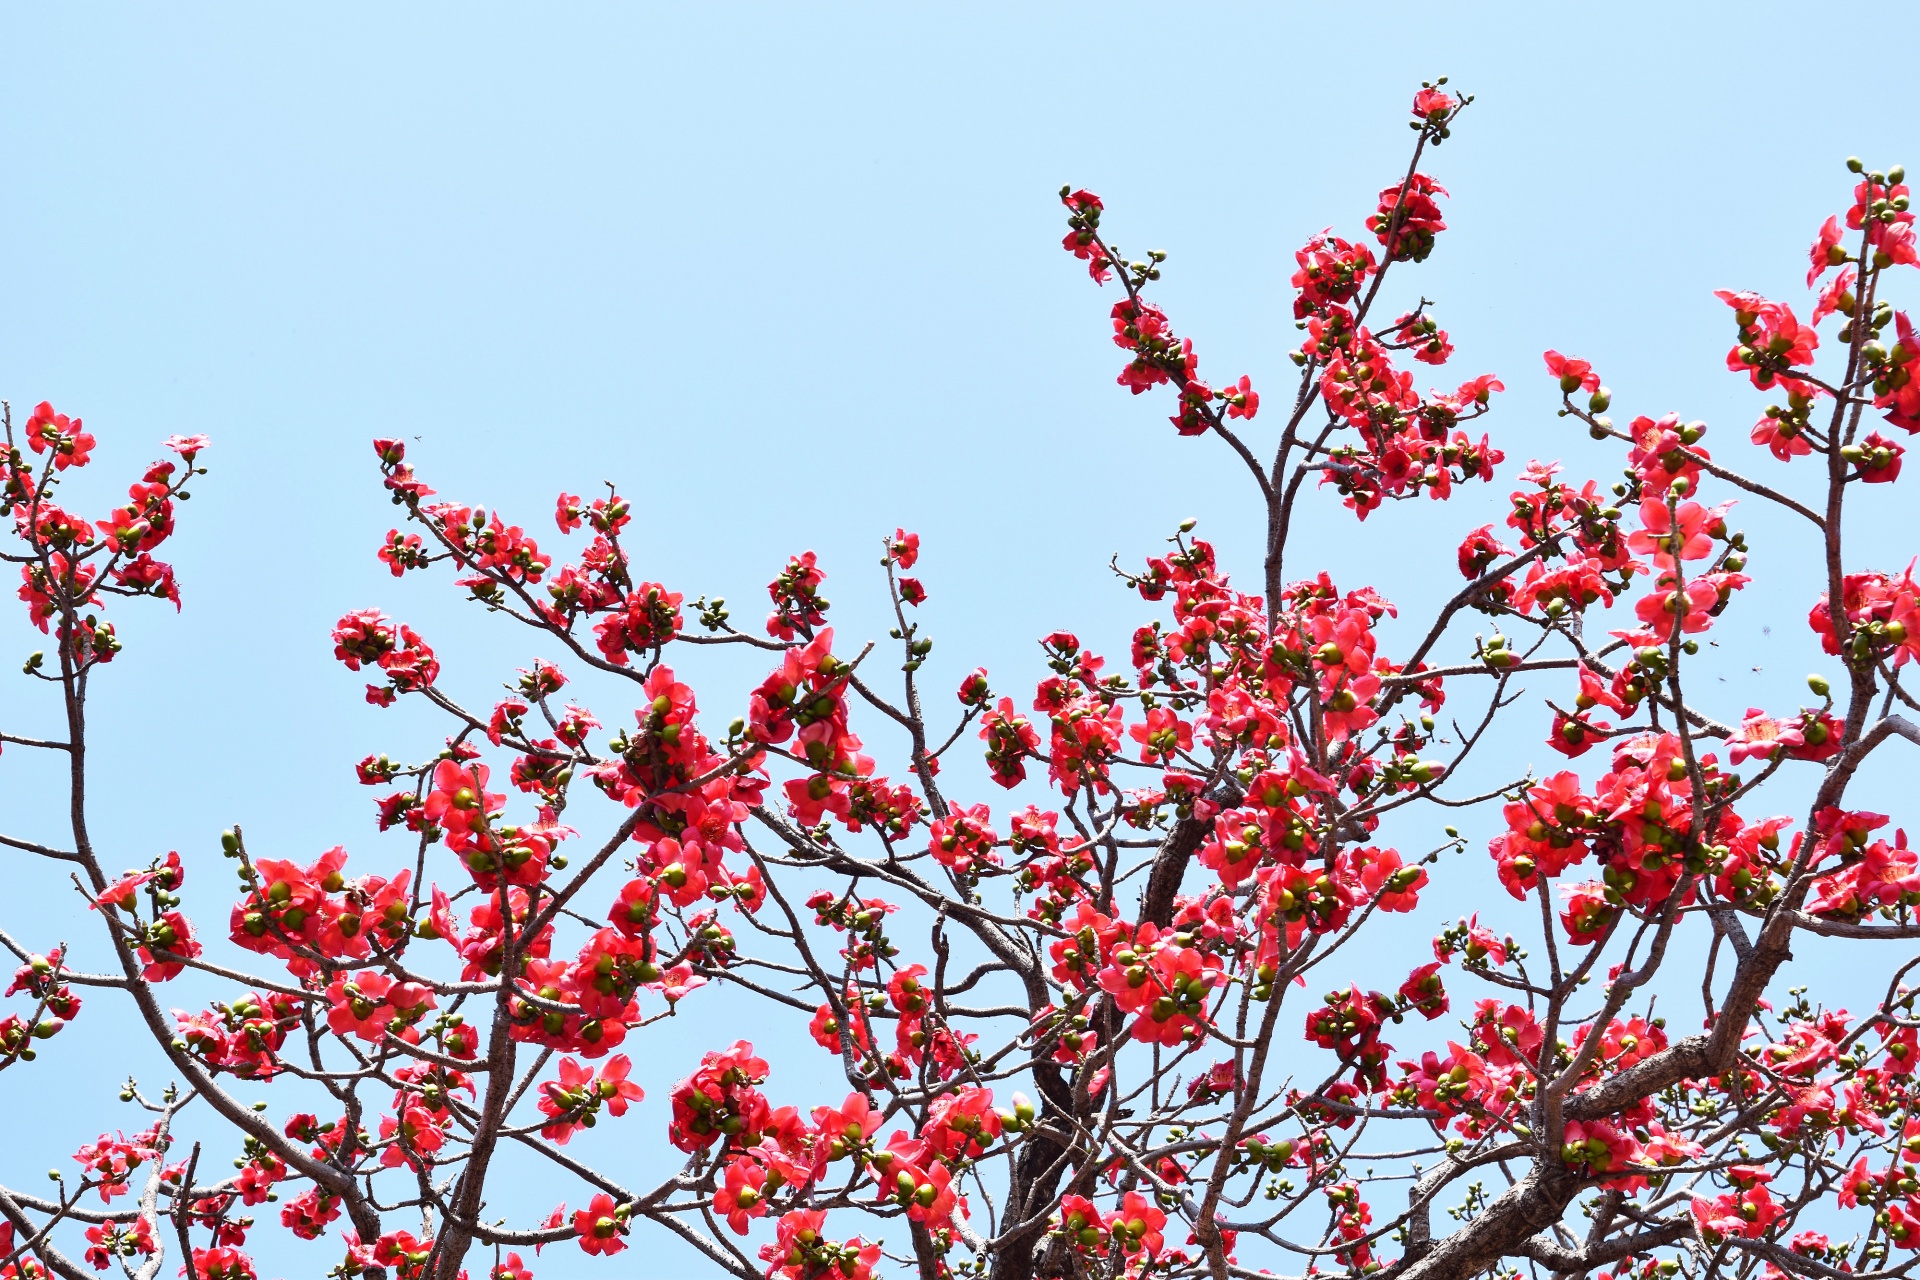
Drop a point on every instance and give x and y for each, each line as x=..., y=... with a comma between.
x=1761, y=737
x=56, y=431
x=1897, y=245
x=1431, y=103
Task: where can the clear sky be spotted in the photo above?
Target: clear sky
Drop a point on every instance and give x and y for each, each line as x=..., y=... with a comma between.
x=790, y=275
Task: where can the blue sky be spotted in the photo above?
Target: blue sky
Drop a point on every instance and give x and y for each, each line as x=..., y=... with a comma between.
x=790, y=276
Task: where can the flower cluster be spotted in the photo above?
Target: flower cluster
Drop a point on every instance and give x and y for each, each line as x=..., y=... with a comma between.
x=1232, y=811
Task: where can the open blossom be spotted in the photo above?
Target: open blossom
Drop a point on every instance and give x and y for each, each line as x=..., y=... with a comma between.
x=1432, y=102
x=107, y=1241
x=368, y=637
x=1162, y=735
x=1761, y=737
x=1772, y=339
x=1876, y=457
x=1574, y=374
x=1826, y=252
x=601, y=1226
x=166, y=944
x=47, y=430
x=1396, y=886
x=369, y=1005
x=903, y=549
x=222, y=1262
x=1747, y=1212
x=1684, y=532
x=460, y=803
x=743, y=1194
x=575, y=1098
x=1241, y=399
x=648, y=619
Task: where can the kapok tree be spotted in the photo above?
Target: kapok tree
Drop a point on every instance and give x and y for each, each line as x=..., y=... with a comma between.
x=1071, y=1034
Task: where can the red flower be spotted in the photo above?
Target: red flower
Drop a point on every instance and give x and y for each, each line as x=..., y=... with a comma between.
x=367, y=1004
x=1241, y=399
x=1826, y=252
x=1575, y=375
x=963, y=1124
x=601, y=1225
x=903, y=548
x=1409, y=211
x=1424, y=990
x=401, y=552
x=56, y=431
x=172, y=934
x=1772, y=339
x=222, y=1263
x=743, y=1194
x=460, y=803
x=647, y=620
x=1877, y=458
x=1081, y=1226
